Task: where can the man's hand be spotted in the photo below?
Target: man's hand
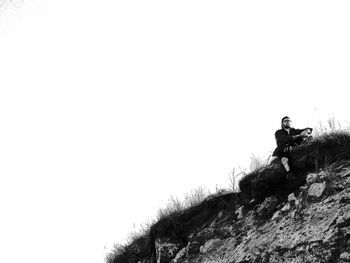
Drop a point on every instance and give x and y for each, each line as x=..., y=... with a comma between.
x=305, y=133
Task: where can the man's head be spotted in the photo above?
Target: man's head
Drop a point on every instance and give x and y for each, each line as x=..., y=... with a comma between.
x=286, y=122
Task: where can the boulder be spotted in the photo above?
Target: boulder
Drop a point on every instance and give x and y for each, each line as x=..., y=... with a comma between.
x=204, y=235
x=316, y=191
x=286, y=207
x=180, y=255
x=192, y=247
x=344, y=220
x=311, y=178
x=316, y=177
x=166, y=252
x=217, y=219
x=239, y=212
x=276, y=215
x=344, y=257
x=210, y=245
x=268, y=206
x=291, y=198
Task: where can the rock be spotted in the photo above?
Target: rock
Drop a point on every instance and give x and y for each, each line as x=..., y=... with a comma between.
x=220, y=214
x=322, y=175
x=345, y=257
x=209, y=245
x=345, y=200
x=268, y=206
x=265, y=257
x=294, y=214
x=286, y=207
x=345, y=174
x=291, y=198
x=166, y=252
x=239, y=212
x=276, y=215
x=301, y=201
x=311, y=178
x=316, y=177
x=204, y=235
x=344, y=220
x=338, y=187
x=192, y=247
x=293, y=201
x=180, y=254
x=257, y=259
x=316, y=191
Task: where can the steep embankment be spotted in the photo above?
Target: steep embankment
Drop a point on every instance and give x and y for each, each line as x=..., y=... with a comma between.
x=305, y=220
x=312, y=225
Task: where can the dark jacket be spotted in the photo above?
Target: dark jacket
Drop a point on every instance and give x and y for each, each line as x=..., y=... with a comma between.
x=285, y=140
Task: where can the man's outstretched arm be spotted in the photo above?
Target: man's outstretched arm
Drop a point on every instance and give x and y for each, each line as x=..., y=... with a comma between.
x=304, y=132
x=301, y=130
x=281, y=138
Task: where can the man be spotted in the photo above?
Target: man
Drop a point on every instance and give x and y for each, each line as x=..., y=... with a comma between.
x=286, y=139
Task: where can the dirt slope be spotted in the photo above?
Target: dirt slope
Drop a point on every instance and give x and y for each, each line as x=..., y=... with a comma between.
x=312, y=225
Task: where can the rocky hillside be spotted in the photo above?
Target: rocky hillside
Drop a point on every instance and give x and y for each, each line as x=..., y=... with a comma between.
x=312, y=225
x=270, y=220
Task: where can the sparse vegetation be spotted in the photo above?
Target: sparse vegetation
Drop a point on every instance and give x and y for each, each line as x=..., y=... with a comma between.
x=332, y=125
x=196, y=196
x=176, y=206
x=137, y=241
x=233, y=185
x=257, y=162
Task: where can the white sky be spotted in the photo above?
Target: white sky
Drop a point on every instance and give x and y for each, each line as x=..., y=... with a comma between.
x=109, y=107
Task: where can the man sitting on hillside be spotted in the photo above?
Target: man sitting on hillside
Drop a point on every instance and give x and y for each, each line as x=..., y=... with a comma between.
x=286, y=139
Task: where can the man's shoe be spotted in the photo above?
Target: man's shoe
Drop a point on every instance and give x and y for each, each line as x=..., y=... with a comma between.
x=290, y=176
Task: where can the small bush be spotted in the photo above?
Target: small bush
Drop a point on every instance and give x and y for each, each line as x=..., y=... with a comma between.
x=176, y=206
x=332, y=125
x=173, y=206
x=196, y=196
x=257, y=162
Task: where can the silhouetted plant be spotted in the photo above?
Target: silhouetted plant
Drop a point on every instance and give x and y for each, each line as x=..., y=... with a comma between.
x=176, y=206
x=233, y=186
x=257, y=162
x=332, y=126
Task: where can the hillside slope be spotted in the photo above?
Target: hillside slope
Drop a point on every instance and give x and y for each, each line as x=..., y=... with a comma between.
x=305, y=220
x=312, y=225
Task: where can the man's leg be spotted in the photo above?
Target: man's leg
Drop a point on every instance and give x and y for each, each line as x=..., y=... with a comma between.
x=285, y=163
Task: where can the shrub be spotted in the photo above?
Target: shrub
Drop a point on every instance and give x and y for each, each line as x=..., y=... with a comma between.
x=196, y=196
x=332, y=125
x=257, y=162
x=134, y=251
